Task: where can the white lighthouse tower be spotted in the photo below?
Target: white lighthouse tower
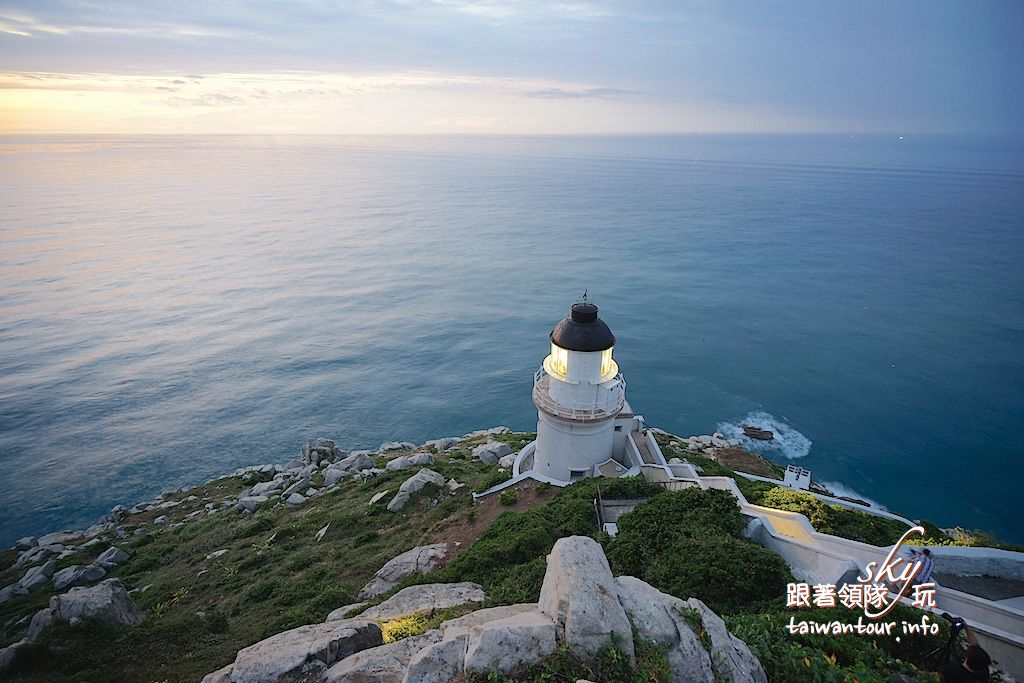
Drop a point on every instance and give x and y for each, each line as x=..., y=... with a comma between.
x=579, y=393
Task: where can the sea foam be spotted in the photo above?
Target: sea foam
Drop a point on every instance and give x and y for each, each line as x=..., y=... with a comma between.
x=788, y=441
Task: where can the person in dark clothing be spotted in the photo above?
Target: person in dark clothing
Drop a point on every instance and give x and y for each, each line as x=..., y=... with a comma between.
x=973, y=668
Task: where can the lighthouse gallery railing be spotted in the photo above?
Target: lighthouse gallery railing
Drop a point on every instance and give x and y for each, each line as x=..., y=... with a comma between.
x=598, y=410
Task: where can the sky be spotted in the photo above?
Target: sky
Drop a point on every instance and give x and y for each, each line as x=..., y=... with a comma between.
x=511, y=67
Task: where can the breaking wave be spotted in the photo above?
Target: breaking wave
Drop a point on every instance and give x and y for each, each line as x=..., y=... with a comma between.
x=845, y=491
x=788, y=441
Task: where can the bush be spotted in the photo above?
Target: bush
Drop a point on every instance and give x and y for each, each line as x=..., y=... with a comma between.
x=509, y=498
x=688, y=544
x=495, y=478
x=836, y=519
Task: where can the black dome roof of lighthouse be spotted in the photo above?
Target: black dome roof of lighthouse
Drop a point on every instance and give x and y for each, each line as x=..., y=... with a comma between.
x=582, y=330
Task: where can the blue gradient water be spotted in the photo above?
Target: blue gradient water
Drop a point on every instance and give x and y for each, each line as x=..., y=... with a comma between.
x=172, y=308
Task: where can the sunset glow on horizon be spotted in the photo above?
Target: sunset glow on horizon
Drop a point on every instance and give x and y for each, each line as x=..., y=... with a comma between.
x=496, y=66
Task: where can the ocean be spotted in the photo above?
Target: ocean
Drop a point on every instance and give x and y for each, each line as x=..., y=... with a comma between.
x=172, y=308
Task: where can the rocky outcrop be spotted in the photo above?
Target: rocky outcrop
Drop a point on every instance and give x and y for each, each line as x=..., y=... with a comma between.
x=412, y=485
x=343, y=611
x=37, y=577
x=426, y=597
x=419, y=560
x=752, y=432
x=305, y=649
x=579, y=596
x=730, y=656
x=111, y=557
x=491, y=452
x=512, y=642
x=107, y=602
x=381, y=664
x=659, y=618
x=581, y=607
x=77, y=575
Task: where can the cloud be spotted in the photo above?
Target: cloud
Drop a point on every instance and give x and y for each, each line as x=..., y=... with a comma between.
x=586, y=93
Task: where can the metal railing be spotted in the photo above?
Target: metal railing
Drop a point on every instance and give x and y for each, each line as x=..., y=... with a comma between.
x=598, y=410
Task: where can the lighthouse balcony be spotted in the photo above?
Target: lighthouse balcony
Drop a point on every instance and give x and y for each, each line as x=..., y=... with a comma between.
x=607, y=406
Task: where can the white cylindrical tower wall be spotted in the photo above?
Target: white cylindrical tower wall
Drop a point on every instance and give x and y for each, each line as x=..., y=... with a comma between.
x=568, y=450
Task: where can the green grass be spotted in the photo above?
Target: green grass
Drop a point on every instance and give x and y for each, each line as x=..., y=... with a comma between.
x=258, y=588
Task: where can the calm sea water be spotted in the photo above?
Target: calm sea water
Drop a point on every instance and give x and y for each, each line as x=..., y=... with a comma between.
x=174, y=307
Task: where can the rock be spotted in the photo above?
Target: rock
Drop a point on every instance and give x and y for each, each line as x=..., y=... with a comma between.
x=107, y=602
x=25, y=543
x=12, y=591
x=265, y=487
x=217, y=553
x=338, y=614
x=507, y=461
x=381, y=664
x=398, y=502
x=579, y=596
x=442, y=444
x=251, y=502
x=752, y=432
x=332, y=475
x=58, y=538
x=510, y=643
x=454, y=486
x=421, y=459
x=39, y=576
x=301, y=483
x=425, y=598
x=693, y=446
x=219, y=676
x=491, y=452
x=412, y=485
x=356, y=462
x=111, y=557
x=40, y=553
x=390, y=446
x=730, y=656
x=322, y=532
x=40, y=620
x=419, y=560
x=7, y=654
x=377, y=496
x=402, y=462
x=162, y=519
x=296, y=499
x=438, y=663
x=76, y=575
x=462, y=625
x=314, y=645
x=656, y=617
x=719, y=443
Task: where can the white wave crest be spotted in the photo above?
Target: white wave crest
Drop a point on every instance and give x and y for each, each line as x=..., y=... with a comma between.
x=844, y=491
x=788, y=441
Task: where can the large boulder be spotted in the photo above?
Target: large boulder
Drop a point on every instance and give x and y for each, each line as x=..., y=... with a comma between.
x=579, y=596
x=12, y=591
x=438, y=663
x=332, y=475
x=107, y=602
x=251, y=502
x=421, y=459
x=381, y=664
x=442, y=444
x=412, y=485
x=510, y=643
x=426, y=598
x=342, y=612
x=77, y=575
x=425, y=558
x=402, y=462
x=111, y=557
x=662, y=619
x=265, y=487
x=39, y=553
x=462, y=625
x=491, y=452
x=356, y=462
x=40, y=620
x=301, y=649
x=38, y=576
x=730, y=656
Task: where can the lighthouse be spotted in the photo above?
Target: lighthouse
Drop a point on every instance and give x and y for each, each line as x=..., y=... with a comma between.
x=579, y=393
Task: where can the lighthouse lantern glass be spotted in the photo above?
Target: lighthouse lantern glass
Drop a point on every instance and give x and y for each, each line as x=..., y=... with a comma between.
x=559, y=360
x=606, y=362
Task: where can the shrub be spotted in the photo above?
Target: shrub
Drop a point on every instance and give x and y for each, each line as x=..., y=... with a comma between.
x=836, y=519
x=495, y=478
x=509, y=497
